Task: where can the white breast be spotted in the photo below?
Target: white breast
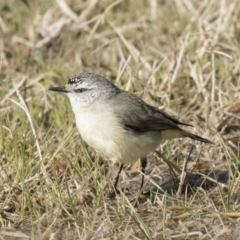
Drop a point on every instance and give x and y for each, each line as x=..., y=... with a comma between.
x=100, y=129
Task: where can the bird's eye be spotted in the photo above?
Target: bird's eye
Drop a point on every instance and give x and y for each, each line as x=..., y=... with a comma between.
x=80, y=90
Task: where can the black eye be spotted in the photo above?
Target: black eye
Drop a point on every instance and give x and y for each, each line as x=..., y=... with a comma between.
x=80, y=90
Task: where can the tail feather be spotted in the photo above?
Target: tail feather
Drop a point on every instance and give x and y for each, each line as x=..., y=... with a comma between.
x=196, y=137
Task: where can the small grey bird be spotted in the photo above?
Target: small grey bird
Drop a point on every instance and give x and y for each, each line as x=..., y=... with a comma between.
x=118, y=124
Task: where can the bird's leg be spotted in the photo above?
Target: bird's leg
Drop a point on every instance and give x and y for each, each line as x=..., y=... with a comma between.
x=143, y=164
x=117, y=177
x=112, y=193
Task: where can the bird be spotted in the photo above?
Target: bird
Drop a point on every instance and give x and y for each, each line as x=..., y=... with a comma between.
x=118, y=124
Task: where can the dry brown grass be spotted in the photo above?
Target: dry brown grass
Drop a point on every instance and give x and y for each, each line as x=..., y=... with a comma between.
x=181, y=56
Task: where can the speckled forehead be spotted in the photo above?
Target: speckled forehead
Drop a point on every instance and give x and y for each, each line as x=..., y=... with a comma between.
x=74, y=80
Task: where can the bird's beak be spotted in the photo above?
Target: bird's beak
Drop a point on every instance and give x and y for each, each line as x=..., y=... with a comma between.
x=59, y=89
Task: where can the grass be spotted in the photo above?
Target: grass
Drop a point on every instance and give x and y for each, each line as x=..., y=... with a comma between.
x=180, y=56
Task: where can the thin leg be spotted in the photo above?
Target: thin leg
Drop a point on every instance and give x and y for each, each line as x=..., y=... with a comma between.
x=143, y=164
x=117, y=177
x=112, y=193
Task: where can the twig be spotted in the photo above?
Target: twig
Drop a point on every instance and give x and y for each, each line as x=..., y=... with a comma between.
x=11, y=92
x=182, y=179
x=23, y=106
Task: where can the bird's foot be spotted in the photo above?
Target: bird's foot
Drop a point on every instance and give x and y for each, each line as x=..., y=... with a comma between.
x=148, y=193
x=114, y=191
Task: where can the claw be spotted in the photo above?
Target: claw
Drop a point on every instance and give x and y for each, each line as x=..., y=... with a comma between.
x=112, y=193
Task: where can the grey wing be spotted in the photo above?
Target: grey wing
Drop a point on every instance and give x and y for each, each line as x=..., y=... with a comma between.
x=136, y=115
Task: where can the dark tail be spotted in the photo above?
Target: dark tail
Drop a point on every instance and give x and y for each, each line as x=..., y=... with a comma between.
x=196, y=137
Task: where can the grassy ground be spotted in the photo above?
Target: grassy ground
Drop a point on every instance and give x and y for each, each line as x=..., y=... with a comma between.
x=181, y=56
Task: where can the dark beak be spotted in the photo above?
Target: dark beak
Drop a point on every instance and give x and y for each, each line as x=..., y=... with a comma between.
x=59, y=89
